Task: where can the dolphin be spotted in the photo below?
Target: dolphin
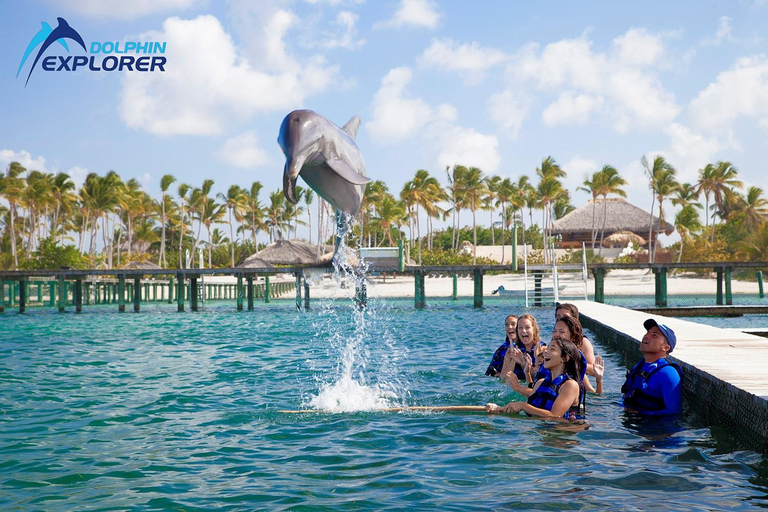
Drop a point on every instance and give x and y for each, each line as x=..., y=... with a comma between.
x=62, y=31
x=39, y=38
x=327, y=158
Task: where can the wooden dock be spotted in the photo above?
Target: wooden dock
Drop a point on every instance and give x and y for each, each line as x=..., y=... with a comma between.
x=725, y=377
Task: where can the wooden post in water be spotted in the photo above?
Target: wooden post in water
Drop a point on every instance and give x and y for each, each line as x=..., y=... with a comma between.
x=599, y=274
x=62, y=294
x=40, y=292
x=306, y=294
x=298, y=290
x=661, y=286
x=2, y=296
x=22, y=294
x=240, y=292
x=193, y=293
x=719, y=299
x=121, y=293
x=249, y=280
x=759, y=283
x=455, y=294
x=78, y=295
x=170, y=290
x=137, y=294
x=267, y=290
x=180, y=292
x=478, y=279
x=419, y=298
x=728, y=294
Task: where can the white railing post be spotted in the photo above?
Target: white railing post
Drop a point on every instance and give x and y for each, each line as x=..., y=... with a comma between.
x=525, y=272
x=584, y=273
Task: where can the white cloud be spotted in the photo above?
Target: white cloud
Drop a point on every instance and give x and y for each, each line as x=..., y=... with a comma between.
x=465, y=146
x=346, y=20
x=508, y=109
x=243, y=151
x=470, y=59
x=622, y=85
x=207, y=82
x=637, y=47
x=78, y=174
x=24, y=158
x=570, y=108
x=577, y=169
x=395, y=116
x=122, y=10
x=419, y=13
x=739, y=91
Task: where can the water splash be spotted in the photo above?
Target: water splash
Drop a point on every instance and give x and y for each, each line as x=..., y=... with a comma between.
x=365, y=376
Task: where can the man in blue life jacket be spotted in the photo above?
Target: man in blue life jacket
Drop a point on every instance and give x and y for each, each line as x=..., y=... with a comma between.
x=655, y=386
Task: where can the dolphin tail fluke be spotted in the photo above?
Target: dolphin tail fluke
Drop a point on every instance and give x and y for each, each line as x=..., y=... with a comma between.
x=352, y=126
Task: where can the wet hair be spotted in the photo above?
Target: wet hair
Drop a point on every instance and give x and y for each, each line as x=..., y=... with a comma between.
x=571, y=356
x=570, y=308
x=536, y=333
x=574, y=326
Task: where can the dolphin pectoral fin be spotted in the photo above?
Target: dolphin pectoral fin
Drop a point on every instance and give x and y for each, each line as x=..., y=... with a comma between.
x=346, y=172
x=352, y=126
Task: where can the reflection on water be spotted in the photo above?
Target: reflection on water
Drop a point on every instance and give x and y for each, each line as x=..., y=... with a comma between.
x=160, y=410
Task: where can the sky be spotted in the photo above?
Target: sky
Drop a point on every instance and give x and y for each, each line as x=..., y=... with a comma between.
x=499, y=85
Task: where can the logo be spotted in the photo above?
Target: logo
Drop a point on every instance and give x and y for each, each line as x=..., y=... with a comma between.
x=63, y=32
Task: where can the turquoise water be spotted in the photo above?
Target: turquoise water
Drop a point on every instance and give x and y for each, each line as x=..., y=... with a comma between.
x=180, y=411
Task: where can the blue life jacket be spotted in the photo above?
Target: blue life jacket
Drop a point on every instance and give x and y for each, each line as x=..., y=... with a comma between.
x=497, y=361
x=545, y=395
x=635, y=388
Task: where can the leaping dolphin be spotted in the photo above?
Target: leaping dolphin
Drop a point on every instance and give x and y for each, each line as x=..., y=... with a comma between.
x=327, y=158
x=39, y=38
x=62, y=31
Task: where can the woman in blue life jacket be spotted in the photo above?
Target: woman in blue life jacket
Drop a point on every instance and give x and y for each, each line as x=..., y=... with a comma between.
x=557, y=394
x=497, y=362
x=524, y=358
x=569, y=328
x=654, y=385
x=586, y=347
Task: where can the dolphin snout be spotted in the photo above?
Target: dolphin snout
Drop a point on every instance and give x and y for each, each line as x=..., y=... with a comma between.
x=290, y=175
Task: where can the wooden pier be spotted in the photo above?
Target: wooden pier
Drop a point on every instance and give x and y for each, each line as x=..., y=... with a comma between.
x=725, y=380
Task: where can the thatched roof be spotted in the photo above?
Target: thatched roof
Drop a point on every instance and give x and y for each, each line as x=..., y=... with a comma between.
x=253, y=261
x=623, y=239
x=620, y=216
x=294, y=252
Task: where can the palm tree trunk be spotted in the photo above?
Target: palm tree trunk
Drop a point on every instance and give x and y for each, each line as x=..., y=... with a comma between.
x=231, y=239
x=650, y=232
x=418, y=231
x=680, y=254
x=594, y=233
x=602, y=232
x=161, y=260
x=474, y=237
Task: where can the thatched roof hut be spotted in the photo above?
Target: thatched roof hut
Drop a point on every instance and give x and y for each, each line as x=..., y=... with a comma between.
x=142, y=265
x=294, y=252
x=619, y=216
x=254, y=261
x=623, y=239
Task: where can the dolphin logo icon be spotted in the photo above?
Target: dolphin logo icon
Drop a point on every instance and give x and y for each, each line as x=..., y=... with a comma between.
x=62, y=31
x=39, y=38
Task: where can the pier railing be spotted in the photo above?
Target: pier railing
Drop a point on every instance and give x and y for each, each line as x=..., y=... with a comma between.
x=691, y=288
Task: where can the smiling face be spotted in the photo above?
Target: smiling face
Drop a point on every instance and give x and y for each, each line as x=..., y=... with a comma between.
x=561, y=330
x=654, y=345
x=525, y=332
x=554, y=357
x=510, y=327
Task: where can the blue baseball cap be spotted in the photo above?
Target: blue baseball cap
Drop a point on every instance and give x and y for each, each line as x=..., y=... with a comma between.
x=666, y=331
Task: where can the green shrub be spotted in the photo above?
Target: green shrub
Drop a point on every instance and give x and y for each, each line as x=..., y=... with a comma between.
x=51, y=256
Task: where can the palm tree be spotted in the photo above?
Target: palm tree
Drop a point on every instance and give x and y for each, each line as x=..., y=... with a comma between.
x=609, y=183
x=309, y=196
x=183, y=190
x=390, y=212
x=374, y=194
x=422, y=191
x=592, y=186
x=472, y=193
x=660, y=172
x=705, y=185
x=234, y=201
x=212, y=213
x=165, y=182
x=254, y=213
x=755, y=208
x=505, y=193
x=456, y=183
x=492, y=185
x=686, y=222
x=550, y=189
x=12, y=188
x=276, y=216
x=65, y=200
x=755, y=247
x=723, y=184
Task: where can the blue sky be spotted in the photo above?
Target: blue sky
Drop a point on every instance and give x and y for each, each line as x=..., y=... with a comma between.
x=495, y=84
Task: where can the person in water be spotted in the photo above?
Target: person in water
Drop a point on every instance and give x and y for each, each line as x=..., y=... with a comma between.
x=584, y=345
x=654, y=385
x=524, y=358
x=497, y=361
x=557, y=394
x=569, y=327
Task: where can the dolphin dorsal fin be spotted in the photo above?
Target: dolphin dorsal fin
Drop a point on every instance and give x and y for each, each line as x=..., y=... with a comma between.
x=352, y=126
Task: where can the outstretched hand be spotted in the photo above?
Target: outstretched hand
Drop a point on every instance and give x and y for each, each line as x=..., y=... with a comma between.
x=599, y=367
